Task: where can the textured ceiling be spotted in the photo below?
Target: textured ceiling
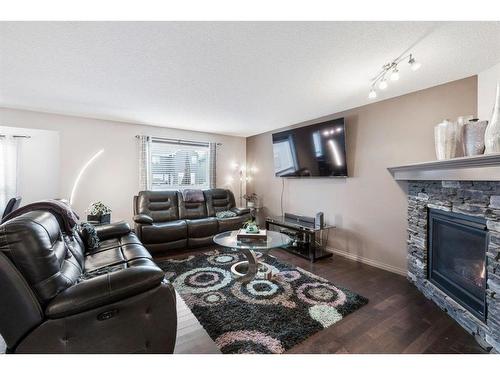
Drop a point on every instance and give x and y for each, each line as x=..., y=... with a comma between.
x=238, y=78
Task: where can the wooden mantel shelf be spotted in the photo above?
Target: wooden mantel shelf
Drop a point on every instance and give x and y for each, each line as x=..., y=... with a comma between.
x=471, y=168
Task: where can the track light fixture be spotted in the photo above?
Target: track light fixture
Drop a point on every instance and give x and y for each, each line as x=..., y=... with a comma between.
x=380, y=79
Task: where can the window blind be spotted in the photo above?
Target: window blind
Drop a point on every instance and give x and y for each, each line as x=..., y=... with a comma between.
x=176, y=164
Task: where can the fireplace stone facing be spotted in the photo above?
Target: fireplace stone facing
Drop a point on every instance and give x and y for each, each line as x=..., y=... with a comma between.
x=473, y=198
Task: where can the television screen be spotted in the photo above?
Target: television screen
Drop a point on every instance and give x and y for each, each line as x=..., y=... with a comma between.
x=311, y=151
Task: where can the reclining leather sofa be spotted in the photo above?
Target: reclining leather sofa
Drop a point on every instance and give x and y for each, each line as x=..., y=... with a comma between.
x=164, y=221
x=59, y=297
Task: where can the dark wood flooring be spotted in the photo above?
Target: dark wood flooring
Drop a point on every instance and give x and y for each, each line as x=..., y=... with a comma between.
x=398, y=318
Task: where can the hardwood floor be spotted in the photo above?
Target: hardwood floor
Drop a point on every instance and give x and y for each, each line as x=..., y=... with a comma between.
x=191, y=336
x=398, y=318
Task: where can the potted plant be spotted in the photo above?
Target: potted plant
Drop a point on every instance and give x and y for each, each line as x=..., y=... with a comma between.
x=251, y=226
x=251, y=199
x=99, y=212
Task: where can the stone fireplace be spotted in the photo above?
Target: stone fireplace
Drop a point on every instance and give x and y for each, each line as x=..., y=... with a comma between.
x=454, y=240
x=470, y=260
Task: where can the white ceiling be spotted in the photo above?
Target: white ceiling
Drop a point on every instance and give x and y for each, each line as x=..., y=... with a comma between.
x=237, y=78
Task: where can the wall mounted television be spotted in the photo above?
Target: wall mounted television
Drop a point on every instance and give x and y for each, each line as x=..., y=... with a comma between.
x=317, y=150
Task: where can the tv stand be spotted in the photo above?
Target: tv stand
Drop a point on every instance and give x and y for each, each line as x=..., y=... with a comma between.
x=307, y=241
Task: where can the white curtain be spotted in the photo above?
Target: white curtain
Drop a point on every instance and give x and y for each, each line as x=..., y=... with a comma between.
x=10, y=150
x=213, y=165
x=144, y=152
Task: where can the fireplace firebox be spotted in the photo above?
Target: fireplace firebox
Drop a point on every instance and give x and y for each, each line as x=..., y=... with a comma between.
x=457, y=258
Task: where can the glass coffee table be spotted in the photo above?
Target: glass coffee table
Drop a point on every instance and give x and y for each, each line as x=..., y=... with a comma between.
x=249, y=269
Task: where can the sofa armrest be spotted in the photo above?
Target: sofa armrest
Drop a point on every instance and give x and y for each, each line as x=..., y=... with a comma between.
x=240, y=210
x=103, y=290
x=113, y=230
x=143, y=219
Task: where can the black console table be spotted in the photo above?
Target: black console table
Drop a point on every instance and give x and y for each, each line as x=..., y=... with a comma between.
x=308, y=241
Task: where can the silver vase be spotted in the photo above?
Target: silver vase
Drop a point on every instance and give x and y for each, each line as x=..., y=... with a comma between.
x=492, y=134
x=473, y=134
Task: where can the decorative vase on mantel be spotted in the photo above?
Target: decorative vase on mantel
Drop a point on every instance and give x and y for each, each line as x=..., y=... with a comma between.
x=447, y=138
x=474, y=137
x=492, y=134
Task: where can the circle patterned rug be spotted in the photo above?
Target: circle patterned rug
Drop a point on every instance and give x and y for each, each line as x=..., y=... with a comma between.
x=260, y=316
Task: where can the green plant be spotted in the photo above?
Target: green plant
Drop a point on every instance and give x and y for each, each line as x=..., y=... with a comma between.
x=251, y=197
x=98, y=209
x=250, y=221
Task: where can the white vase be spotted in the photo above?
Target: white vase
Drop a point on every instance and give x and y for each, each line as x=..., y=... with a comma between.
x=492, y=134
x=447, y=138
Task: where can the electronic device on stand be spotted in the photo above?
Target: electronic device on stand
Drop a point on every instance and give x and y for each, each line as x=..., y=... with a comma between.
x=307, y=234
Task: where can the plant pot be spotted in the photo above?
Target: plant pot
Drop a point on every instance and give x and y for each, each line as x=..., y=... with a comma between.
x=250, y=204
x=101, y=219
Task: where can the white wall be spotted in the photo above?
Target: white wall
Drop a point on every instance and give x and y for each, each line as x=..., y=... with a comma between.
x=486, y=86
x=39, y=163
x=114, y=178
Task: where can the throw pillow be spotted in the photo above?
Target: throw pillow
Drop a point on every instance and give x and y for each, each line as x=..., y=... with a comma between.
x=89, y=235
x=225, y=214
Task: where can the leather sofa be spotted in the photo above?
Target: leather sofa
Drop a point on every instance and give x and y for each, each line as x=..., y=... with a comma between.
x=60, y=297
x=164, y=221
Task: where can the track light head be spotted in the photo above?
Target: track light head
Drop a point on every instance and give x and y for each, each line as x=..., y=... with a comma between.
x=395, y=74
x=414, y=64
x=383, y=84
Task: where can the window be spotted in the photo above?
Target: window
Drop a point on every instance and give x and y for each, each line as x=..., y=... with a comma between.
x=180, y=165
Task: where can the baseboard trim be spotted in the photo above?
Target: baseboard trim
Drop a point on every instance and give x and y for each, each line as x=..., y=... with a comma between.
x=370, y=262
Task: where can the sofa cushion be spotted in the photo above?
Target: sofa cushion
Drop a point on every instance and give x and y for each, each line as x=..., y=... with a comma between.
x=202, y=227
x=134, y=278
x=128, y=239
x=232, y=223
x=114, y=256
x=164, y=232
x=159, y=205
x=218, y=200
x=192, y=210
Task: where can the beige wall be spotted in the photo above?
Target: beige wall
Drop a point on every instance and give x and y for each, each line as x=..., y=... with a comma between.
x=369, y=207
x=486, y=90
x=114, y=178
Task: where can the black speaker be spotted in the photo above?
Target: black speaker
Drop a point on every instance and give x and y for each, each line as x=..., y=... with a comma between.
x=318, y=221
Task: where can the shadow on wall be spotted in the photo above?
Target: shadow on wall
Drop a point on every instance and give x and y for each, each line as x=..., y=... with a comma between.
x=351, y=133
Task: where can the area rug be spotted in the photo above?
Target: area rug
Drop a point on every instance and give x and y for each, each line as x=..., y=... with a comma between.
x=260, y=316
